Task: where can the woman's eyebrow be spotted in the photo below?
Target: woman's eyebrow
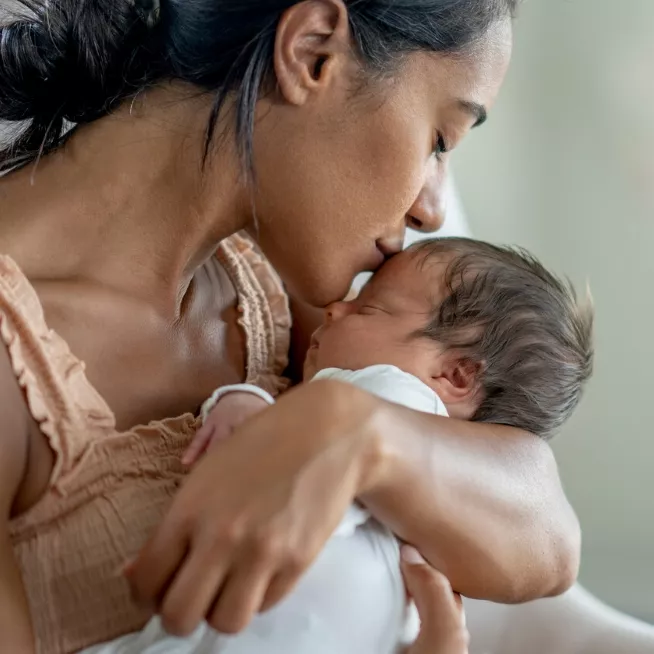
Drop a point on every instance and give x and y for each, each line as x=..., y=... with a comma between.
x=476, y=110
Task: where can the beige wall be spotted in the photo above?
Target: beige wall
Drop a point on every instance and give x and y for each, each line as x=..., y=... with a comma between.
x=565, y=168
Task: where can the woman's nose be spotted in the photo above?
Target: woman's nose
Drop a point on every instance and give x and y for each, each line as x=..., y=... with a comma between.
x=428, y=211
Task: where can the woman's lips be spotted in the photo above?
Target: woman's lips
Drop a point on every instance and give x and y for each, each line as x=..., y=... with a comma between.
x=389, y=249
x=377, y=261
x=383, y=251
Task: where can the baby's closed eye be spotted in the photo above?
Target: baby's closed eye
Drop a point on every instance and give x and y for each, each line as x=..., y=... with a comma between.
x=369, y=309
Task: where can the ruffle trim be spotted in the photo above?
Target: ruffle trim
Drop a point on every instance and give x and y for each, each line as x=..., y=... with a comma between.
x=59, y=396
x=265, y=315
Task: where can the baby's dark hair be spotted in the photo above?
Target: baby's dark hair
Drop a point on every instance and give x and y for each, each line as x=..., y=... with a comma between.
x=524, y=327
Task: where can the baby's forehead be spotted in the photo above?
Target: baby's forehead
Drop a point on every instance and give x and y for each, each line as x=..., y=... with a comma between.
x=412, y=276
x=422, y=268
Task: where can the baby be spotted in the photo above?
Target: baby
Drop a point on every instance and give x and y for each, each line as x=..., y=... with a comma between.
x=486, y=331
x=451, y=327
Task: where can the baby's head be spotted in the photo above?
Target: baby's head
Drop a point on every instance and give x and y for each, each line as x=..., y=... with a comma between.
x=497, y=336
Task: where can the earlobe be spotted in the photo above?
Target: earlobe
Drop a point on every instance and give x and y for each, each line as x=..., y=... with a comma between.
x=310, y=37
x=457, y=380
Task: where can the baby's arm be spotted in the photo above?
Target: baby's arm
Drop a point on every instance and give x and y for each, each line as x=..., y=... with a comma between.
x=224, y=411
x=15, y=625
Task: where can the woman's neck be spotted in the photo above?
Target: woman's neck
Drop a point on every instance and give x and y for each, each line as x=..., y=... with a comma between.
x=126, y=203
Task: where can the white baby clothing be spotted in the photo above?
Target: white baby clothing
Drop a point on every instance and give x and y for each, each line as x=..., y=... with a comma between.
x=351, y=601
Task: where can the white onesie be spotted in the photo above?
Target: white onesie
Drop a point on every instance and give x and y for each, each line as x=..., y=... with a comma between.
x=352, y=599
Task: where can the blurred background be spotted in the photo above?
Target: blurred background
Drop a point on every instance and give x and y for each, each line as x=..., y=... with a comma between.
x=565, y=167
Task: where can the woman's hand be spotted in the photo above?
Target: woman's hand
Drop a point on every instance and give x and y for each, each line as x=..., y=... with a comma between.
x=443, y=625
x=257, y=510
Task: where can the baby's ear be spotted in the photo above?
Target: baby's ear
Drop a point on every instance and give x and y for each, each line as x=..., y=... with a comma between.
x=456, y=379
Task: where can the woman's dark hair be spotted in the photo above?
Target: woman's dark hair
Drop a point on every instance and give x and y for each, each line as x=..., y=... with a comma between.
x=73, y=61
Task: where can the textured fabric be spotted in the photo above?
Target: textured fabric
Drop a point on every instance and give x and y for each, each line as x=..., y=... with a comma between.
x=391, y=384
x=264, y=309
x=109, y=490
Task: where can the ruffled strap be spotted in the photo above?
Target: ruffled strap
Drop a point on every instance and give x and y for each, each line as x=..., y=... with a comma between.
x=265, y=314
x=68, y=410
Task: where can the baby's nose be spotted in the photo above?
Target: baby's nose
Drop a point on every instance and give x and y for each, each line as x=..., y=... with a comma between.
x=335, y=311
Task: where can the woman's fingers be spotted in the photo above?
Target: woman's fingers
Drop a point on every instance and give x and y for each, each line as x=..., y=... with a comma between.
x=253, y=510
x=442, y=619
x=280, y=587
x=150, y=573
x=194, y=591
x=240, y=599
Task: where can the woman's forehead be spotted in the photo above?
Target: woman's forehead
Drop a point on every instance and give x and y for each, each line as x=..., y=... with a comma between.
x=476, y=76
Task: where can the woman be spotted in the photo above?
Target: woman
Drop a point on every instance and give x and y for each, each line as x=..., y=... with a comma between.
x=320, y=128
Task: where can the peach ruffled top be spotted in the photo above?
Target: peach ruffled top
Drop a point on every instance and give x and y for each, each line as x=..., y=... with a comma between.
x=109, y=490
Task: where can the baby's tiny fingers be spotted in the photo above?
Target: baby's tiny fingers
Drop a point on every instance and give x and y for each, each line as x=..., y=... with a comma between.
x=443, y=623
x=199, y=445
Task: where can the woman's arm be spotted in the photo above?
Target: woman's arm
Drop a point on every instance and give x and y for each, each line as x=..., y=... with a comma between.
x=486, y=503
x=483, y=503
x=260, y=506
x=15, y=626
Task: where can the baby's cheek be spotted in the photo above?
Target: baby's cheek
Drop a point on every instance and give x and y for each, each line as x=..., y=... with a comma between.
x=352, y=351
x=310, y=365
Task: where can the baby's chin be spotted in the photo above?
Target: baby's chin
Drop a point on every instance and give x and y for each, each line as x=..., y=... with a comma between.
x=310, y=369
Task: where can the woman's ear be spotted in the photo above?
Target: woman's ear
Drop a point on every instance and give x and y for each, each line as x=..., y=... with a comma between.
x=457, y=379
x=311, y=47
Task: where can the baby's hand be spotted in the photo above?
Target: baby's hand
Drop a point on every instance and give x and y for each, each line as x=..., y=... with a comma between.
x=442, y=619
x=231, y=411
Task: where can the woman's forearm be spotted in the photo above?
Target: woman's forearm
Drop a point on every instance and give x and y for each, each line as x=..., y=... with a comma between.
x=483, y=503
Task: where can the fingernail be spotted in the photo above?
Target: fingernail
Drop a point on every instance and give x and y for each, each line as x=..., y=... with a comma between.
x=411, y=556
